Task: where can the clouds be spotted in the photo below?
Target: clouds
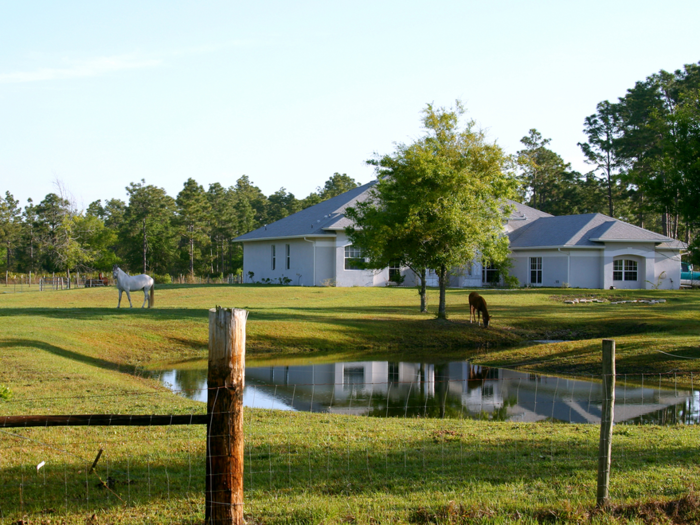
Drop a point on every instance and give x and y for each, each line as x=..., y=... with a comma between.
x=92, y=67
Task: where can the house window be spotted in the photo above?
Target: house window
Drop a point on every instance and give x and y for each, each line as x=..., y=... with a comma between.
x=353, y=377
x=617, y=270
x=273, y=257
x=353, y=258
x=393, y=373
x=288, y=256
x=624, y=270
x=490, y=275
x=394, y=272
x=535, y=270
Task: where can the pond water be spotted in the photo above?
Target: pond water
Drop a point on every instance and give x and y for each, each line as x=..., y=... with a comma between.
x=454, y=390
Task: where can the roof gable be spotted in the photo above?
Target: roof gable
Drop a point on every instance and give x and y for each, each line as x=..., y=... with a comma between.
x=587, y=230
x=317, y=220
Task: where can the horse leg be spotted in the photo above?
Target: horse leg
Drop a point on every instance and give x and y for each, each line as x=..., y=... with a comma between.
x=478, y=314
x=128, y=296
x=145, y=296
x=120, y=299
x=471, y=313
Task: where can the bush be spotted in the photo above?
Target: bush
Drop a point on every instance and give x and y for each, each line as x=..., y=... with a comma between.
x=162, y=279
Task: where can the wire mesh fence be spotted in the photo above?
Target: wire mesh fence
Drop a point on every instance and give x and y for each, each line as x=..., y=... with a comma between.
x=489, y=439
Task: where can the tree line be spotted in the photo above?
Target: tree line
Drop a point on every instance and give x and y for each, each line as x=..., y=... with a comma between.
x=643, y=149
x=150, y=232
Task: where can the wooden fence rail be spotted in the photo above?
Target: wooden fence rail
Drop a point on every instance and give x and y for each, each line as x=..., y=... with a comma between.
x=109, y=420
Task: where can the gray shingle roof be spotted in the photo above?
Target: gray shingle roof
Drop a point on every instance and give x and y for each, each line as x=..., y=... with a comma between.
x=580, y=230
x=528, y=227
x=314, y=221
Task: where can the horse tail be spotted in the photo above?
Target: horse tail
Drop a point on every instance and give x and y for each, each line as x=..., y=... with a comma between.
x=151, y=296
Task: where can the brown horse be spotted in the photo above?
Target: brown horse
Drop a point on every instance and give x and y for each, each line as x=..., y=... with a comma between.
x=477, y=306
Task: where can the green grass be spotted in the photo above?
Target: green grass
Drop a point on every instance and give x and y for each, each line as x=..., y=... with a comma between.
x=73, y=352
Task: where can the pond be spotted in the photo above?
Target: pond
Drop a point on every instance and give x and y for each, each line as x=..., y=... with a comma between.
x=453, y=390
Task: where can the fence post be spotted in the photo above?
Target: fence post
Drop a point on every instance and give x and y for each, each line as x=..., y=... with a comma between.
x=606, y=422
x=226, y=377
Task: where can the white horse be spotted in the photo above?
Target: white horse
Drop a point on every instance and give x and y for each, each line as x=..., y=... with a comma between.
x=127, y=283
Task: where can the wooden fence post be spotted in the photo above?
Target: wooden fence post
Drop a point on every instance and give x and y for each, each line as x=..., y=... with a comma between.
x=224, y=481
x=606, y=422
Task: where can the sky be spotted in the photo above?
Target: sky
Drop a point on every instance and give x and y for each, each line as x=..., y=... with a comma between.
x=95, y=95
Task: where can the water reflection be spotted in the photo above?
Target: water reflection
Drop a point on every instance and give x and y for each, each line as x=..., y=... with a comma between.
x=453, y=390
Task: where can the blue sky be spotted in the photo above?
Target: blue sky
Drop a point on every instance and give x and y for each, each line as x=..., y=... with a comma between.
x=97, y=94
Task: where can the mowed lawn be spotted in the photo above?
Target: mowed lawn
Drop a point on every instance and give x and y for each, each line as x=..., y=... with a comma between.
x=354, y=323
x=74, y=352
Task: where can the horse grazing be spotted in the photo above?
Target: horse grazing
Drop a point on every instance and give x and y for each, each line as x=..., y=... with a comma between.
x=127, y=283
x=477, y=306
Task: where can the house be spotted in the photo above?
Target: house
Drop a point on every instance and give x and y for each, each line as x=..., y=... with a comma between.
x=311, y=248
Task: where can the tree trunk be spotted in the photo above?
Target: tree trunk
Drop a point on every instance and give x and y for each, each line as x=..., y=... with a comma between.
x=145, y=245
x=610, y=199
x=191, y=256
x=608, y=169
x=423, y=294
x=442, y=277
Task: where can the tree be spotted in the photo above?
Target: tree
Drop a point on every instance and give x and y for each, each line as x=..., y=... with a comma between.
x=10, y=225
x=55, y=227
x=336, y=184
x=223, y=225
x=444, y=195
x=544, y=174
x=282, y=204
x=659, y=119
x=245, y=190
x=603, y=130
x=147, y=226
x=28, y=250
x=193, y=209
x=96, y=241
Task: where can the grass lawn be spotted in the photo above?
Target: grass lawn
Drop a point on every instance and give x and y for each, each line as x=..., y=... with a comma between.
x=73, y=352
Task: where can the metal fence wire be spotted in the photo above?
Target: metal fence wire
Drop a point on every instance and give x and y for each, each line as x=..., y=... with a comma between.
x=486, y=434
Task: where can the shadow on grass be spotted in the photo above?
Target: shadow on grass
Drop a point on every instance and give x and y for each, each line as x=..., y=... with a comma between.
x=67, y=354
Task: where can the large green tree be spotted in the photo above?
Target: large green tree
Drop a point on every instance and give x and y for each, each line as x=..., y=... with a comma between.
x=603, y=130
x=58, y=240
x=282, y=204
x=10, y=226
x=193, y=219
x=147, y=227
x=659, y=120
x=445, y=194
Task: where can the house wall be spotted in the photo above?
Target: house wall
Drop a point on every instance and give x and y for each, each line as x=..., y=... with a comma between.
x=257, y=258
x=643, y=253
x=586, y=269
x=345, y=277
x=667, y=262
x=578, y=268
x=325, y=262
